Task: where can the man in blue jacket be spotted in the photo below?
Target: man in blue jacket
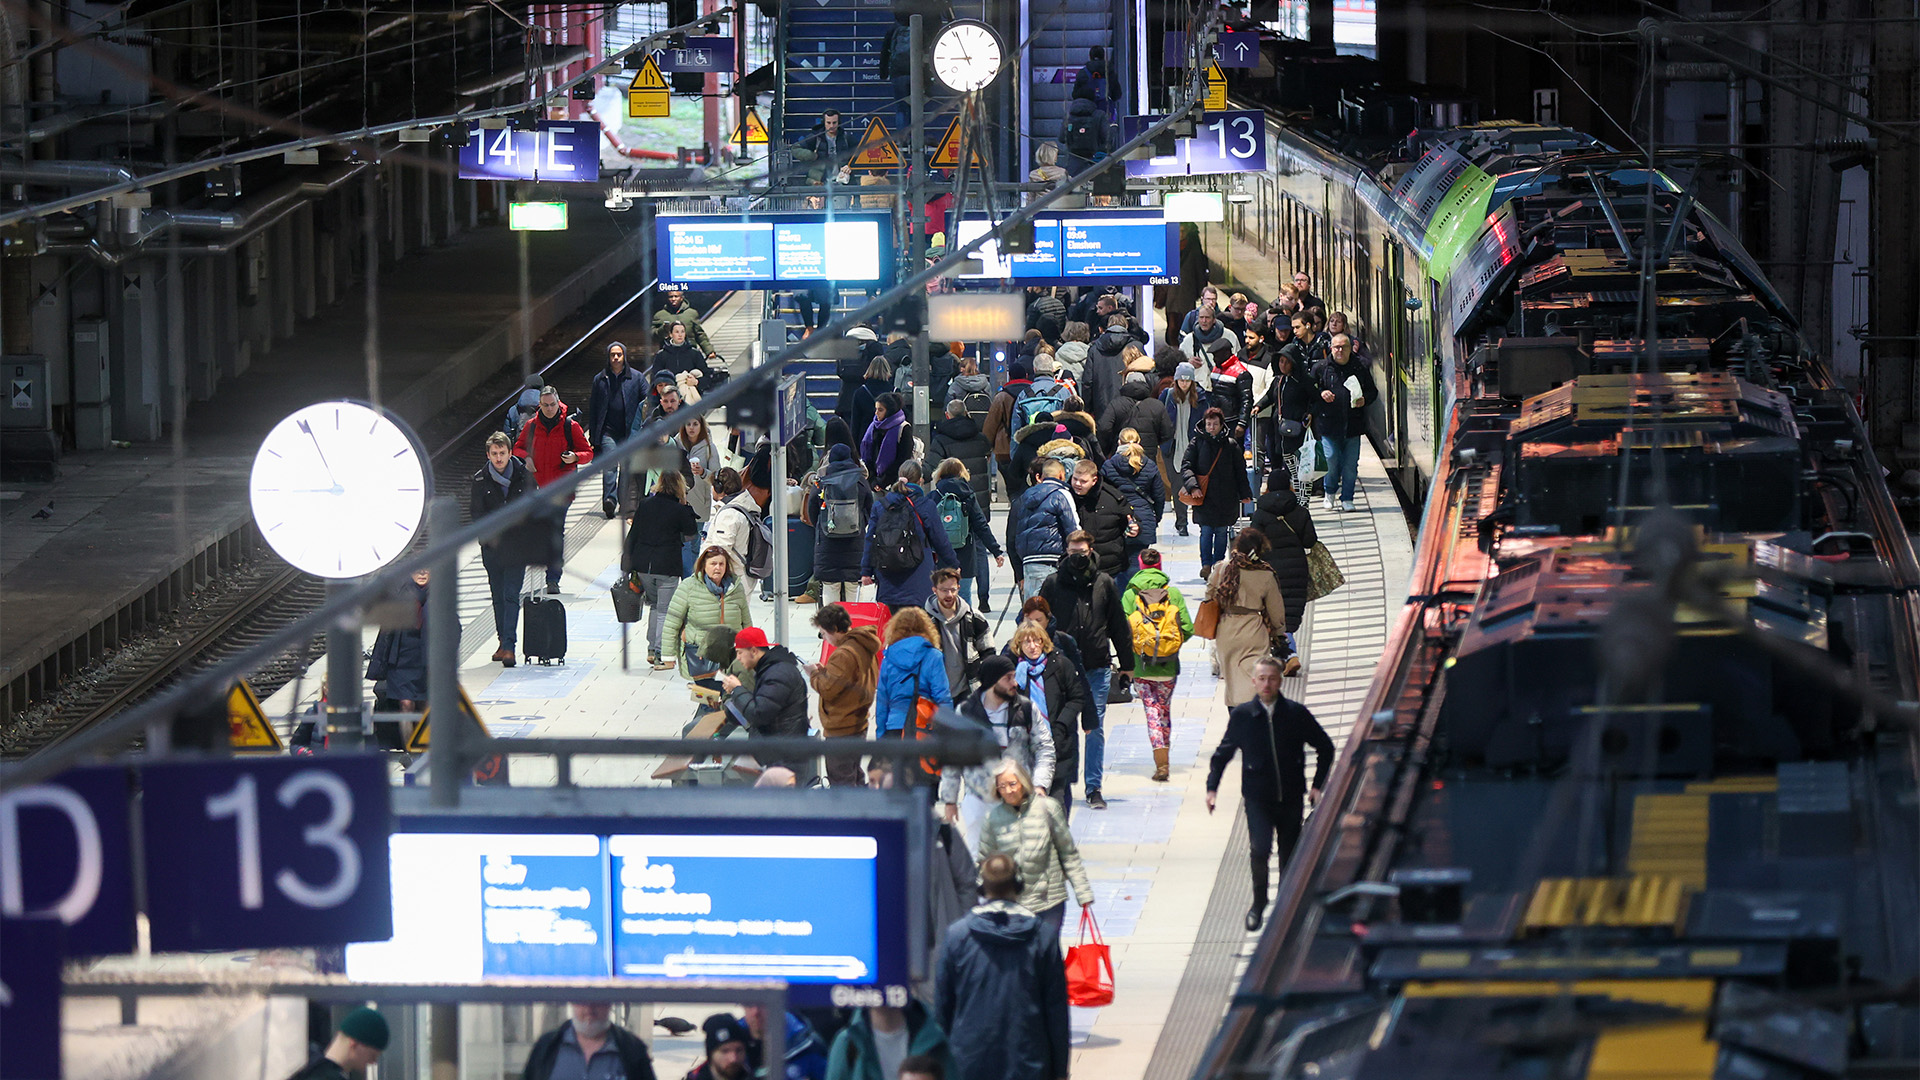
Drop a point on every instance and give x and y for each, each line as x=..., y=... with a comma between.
x=611, y=410
x=905, y=520
x=1038, y=526
x=1003, y=987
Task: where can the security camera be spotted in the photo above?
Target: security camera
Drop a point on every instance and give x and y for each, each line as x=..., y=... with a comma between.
x=617, y=201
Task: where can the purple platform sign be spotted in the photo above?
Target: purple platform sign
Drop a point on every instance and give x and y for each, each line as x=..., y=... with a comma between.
x=560, y=150
x=1223, y=142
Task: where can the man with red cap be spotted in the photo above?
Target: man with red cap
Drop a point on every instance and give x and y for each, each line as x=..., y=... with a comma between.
x=777, y=704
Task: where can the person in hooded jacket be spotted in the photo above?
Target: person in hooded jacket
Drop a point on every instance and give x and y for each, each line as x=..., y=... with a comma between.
x=1084, y=136
x=958, y=436
x=612, y=406
x=553, y=444
x=1086, y=605
x=999, y=427
x=967, y=381
x=1038, y=525
x=846, y=684
x=1046, y=313
x=887, y=441
x=909, y=503
x=1140, y=409
x=852, y=369
x=1291, y=395
x=1213, y=457
x=879, y=380
x=910, y=667
x=1070, y=356
x=1154, y=676
x=858, y=1052
x=1106, y=513
x=1003, y=987
x=399, y=657
x=1069, y=433
x=1289, y=529
x=1136, y=477
x=777, y=706
x=954, y=478
x=836, y=556
x=1105, y=364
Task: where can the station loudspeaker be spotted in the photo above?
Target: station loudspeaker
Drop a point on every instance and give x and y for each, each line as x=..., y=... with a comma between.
x=1017, y=240
x=754, y=409
x=1111, y=182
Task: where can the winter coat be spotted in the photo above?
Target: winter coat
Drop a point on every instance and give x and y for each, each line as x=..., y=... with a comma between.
x=860, y=417
x=1022, y=738
x=1071, y=360
x=1176, y=447
x=399, y=657
x=542, y=442
x=1149, y=578
x=837, y=558
x=665, y=316
x=1339, y=418
x=677, y=360
x=1136, y=407
x=700, y=488
x=912, y=587
x=1289, y=527
x=1106, y=512
x=1102, y=379
x=1035, y=836
x=635, y=1062
x=979, y=528
x=960, y=437
x=942, y=366
x=960, y=387
x=1089, y=611
x=1144, y=492
x=1247, y=624
x=661, y=527
x=1047, y=315
x=854, y=1056
x=999, y=425
x=778, y=704
x=1040, y=521
x=730, y=527
x=1233, y=393
x=963, y=643
x=846, y=683
x=1038, y=438
x=524, y=543
x=909, y=668
x=1069, y=706
x=1217, y=456
x=1294, y=394
x=884, y=447
x=697, y=608
x=1003, y=996
x=1273, y=751
x=1195, y=342
x=628, y=388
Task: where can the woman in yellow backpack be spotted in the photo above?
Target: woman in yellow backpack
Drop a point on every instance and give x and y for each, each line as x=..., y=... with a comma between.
x=1157, y=615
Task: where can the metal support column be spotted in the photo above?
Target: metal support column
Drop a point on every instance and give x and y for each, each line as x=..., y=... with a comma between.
x=444, y=1033
x=1892, y=358
x=346, y=723
x=917, y=233
x=443, y=661
x=777, y=508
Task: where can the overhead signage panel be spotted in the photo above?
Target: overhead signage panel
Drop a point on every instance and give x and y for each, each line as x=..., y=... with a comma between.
x=1223, y=142
x=560, y=150
x=66, y=854
x=593, y=898
x=700, y=54
x=801, y=248
x=1234, y=48
x=1131, y=246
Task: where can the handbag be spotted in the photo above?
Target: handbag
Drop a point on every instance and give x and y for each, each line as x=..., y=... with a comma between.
x=1199, y=493
x=1206, y=619
x=922, y=726
x=1089, y=967
x=695, y=663
x=1120, y=689
x=1292, y=429
x=628, y=602
x=1323, y=574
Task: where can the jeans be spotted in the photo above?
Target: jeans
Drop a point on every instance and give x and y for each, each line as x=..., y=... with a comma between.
x=1034, y=572
x=503, y=584
x=1213, y=543
x=1093, y=751
x=558, y=524
x=658, y=592
x=690, y=551
x=844, y=770
x=609, y=480
x=1132, y=566
x=982, y=565
x=1270, y=824
x=1343, y=464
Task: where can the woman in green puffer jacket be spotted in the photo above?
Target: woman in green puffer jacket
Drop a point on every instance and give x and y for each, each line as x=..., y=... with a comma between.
x=712, y=597
x=1032, y=830
x=1157, y=615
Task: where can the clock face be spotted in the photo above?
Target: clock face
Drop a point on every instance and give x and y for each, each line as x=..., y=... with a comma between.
x=966, y=55
x=338, y=489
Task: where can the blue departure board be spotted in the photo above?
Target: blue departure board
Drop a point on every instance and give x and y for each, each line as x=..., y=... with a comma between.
x=1132, y=246
x=727, y=252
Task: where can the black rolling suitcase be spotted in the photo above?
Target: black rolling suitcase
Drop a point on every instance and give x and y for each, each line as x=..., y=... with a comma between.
x=543, y=629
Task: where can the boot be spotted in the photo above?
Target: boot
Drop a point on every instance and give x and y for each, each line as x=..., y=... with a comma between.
x=1160, y=763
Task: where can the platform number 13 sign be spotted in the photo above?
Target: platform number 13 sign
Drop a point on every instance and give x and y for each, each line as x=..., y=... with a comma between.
x=268, y=853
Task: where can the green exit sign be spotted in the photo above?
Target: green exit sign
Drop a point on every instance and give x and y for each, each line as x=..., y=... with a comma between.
x=537, y=216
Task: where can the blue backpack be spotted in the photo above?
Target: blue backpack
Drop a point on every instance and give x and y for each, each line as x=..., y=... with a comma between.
x=1044, y=396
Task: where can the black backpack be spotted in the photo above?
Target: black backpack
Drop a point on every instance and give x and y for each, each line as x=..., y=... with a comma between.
x=899, y=538
x=1082, y=135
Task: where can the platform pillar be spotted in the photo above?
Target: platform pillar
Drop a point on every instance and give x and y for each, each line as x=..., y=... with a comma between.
x=136, y=374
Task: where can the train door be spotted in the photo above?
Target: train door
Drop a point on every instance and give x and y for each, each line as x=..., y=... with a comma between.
x=1396, y=326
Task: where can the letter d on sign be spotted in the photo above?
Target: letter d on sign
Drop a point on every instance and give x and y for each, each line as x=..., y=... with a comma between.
x=85, y=888
x=64, y=853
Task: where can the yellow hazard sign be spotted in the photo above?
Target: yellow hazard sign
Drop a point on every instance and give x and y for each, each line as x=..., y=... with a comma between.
x=947, y=156
x=876, y=149
x=751, y=130
x=422, y=737
x=248, y=730
x=1216, y=87
x=647, y=96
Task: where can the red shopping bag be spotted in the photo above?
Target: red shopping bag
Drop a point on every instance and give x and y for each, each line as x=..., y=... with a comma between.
x=1089, y=967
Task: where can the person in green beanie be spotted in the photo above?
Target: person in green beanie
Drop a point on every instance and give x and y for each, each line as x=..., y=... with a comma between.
x=361, y=1037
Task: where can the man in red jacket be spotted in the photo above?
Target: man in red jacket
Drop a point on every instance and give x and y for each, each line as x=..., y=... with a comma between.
x=553, y=444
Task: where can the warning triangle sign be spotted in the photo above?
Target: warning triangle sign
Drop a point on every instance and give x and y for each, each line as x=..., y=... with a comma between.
x=248, y=731
x=422, y=737
x=648, y=77
x=876, y=149
x=1216, y=87
x=947, y=156
x=751, y=130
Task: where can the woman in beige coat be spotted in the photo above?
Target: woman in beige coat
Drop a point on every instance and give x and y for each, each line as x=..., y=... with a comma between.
x=1251, y=612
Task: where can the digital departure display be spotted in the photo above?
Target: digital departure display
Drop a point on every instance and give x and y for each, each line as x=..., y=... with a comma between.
x=709, y=252
x=1121, y=247
x=818, y=910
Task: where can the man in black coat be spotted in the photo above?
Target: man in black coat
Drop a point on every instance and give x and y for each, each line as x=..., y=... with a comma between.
x=587, y=1037
x=1138, y=407
x=506, y=556
x=1339, y=416
x=1086, y=606
x=778, y=704
x=1101, y=380
x=1047, y=313
x=1271, y=734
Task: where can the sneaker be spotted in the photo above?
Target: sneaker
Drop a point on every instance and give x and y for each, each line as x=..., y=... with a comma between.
x=553, y=590
x=610, y=508
x=661, y=664
x=1347, y=506
x=1182, y=532
x=1094, y=801
x=1326, y=502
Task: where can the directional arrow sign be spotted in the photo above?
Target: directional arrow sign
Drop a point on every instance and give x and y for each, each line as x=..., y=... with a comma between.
x=819, y=67
x=1241, y=50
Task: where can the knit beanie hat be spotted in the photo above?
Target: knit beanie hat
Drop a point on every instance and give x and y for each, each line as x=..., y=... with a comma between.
x=366, y=1027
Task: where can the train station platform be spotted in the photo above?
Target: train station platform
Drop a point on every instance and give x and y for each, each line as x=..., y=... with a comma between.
x=124, y=535
x=1170, y=881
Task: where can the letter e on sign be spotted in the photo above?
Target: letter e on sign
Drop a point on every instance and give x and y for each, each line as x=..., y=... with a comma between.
x=268, y=853
x=65, y=855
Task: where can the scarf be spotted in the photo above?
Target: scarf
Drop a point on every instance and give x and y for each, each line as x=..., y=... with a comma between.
x=717, y=589
x=1027, y=675
x=883, y=456
x=504, y=479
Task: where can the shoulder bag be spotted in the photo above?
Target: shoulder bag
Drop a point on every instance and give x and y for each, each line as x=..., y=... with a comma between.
x=1199, y=494
x=1323, y=574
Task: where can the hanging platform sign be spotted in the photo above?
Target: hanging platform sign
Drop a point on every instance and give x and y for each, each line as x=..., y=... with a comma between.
x=557, y=151
x=647, y=96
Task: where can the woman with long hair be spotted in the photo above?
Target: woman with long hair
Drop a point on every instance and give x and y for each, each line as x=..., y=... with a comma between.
x=1133, y=473
x=1252, y=613
x=1186, y=403
x=663, y=524
x=879, y=381
x=703, y=460
x=911, y=667
x=887, y=440
x=1215, y=471
x=1032, y=830
x=714, y=596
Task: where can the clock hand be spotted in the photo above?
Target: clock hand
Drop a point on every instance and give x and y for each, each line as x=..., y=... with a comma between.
x=308, y=428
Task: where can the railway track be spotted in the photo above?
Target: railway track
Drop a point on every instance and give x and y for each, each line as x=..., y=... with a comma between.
x=266, y=595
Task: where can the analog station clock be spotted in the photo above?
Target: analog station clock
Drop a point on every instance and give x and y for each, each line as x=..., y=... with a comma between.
x=966, y=55
x=338, y=488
